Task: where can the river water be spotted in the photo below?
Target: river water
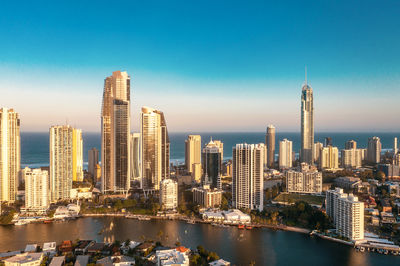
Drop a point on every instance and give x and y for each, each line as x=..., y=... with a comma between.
x=264, y=246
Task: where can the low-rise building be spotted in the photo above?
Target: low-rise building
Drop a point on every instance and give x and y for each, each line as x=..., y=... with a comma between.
x=82, y=260
x=347, y=182
x=50, y=248
x=116, y=261
x=207, y=197
x=304, y=181
x=25, y=259
x=234, y=216
x=171, y=257
x=57, y=261
x=220, y=262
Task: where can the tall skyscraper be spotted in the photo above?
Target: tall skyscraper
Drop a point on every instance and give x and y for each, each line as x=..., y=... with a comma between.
x=154, y=148
x=270, y=143
x=285, y=154
x=374, y=150
x=351, y=144
x=395, y=149
x=307, y=124
x=10, y=154
x=93, y=156
x=168, y=194
x=212, y=164
x=36, y=190
x=136, y=167
x=329, y=158
x=192, y=151
x=115, y=133
x=63, y=147
x=77, y=155
x=248, y=176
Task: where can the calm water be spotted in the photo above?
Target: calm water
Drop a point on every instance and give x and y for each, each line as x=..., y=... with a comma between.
x=264, y=246
x=35, y=146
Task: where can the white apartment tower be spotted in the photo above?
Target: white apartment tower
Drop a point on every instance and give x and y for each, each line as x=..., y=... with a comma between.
x=10, y=154
x=155, y=148
x=303, y=181
x=374, y=150
x=329, y=158
x=168, y=194
x=248, y=173
x=192, y=151
x=285, y=154
x=115, y=133
x=36, y=190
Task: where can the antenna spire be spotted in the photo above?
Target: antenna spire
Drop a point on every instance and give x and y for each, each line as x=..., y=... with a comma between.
x=306, y=74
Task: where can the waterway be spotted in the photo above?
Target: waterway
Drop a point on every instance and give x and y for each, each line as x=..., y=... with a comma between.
x=263, y=246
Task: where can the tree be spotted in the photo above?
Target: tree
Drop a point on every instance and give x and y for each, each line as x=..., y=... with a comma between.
x=380, y=176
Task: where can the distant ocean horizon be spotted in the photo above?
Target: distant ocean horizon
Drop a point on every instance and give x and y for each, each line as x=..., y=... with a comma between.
x=35, y=145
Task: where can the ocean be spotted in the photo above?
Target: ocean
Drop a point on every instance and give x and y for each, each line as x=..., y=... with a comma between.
x=35, y=146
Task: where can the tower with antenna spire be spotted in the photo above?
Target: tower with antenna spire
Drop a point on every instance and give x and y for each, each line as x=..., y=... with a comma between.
x=307, y=123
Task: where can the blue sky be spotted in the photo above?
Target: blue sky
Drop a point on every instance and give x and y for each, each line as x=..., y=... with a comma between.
x=209, y=65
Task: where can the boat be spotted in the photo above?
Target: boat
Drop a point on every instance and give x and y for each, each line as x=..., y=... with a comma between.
x=241, y=226
x=190, y=221
x=22, y=222
x=47, y=221
x=249, y=227
x=144, y=218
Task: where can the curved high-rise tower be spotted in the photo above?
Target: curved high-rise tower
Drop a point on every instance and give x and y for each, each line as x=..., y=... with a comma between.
x=307, y=124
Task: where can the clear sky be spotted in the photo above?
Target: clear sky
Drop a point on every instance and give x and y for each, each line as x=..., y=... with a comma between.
x=209, y=65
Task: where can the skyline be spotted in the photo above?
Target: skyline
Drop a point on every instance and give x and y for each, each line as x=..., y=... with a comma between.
x=221, y=69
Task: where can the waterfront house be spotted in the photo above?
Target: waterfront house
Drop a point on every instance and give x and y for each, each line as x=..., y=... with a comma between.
x=25, y=259
x=50, y=249
x=31, y=248
x=57, y=261
x=171, y=257
x=145, y=247
x=82, y=246
x=9, y=254
x=97, y=248
x=116, y=261
x=65, y=247
x=82, y=260
x=132, y=245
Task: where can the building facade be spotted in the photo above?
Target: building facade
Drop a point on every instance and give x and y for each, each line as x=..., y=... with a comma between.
x=317, y=151
x=305, y=181
x=115, y=133
x=351, y=158
x=285, y=154
x=307, y=124
x=77, y=155
x=374, y=150
x=93, y=161
x=37, y=198
x=350, y=144
x=136, y=160
x=248, y=176
x=270, y=146
x=347, y=213
x=329, y=158
x=10, y=154
x=155, y=148
x=207, y=197
x=168, y=194
x=192, y=151
x=212, y=164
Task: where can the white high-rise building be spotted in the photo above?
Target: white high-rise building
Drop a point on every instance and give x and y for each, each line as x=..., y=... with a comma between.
x=329, y=158
x=37, y=198
x=93, y=161
x=285, y=154
x=115, y=133
x=352, y=158
x=395, y=149
x=136, y=161
x=155, y=148
x=374, y=150
x=65, y=147
x=317, y=151
x=307, y=124
x=304, y=181
x=10, y=154
x=168, y=194
x=270, y=146
x=347, y=213
x=77, y=155
x=192, y=151
x=248, y=176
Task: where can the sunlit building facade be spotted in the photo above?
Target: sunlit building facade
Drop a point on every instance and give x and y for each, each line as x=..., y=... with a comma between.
x=374, y=150
x=307, y=124
x=77, y=155
x=36, y=190
x=329, y=158
x=285, y=154
x=155, y=148
x=270, y=146
x=192, y=151
x=115, y=133
x=168, y=194
x=248, y=176
x=10, y=154
x=136, y=168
